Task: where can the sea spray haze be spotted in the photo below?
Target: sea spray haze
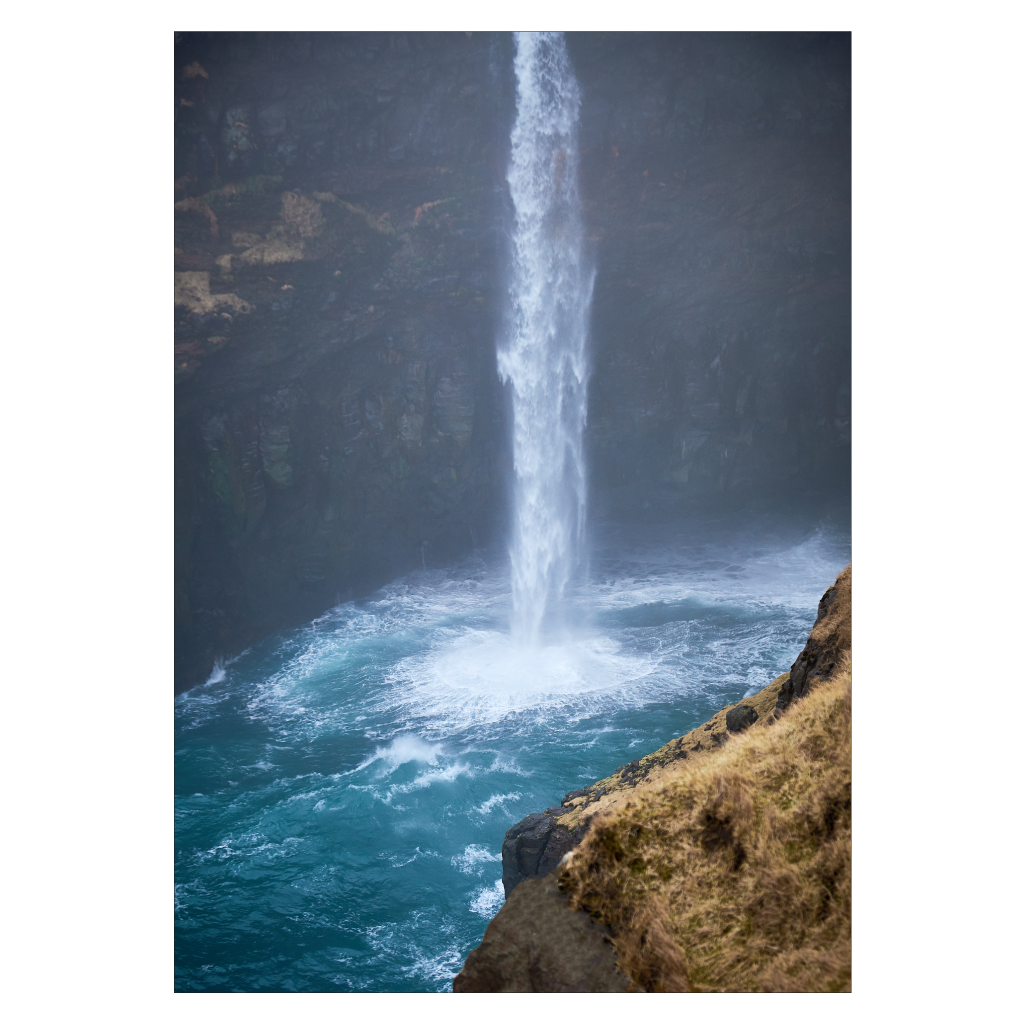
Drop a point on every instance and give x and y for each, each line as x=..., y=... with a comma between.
x=544, y=352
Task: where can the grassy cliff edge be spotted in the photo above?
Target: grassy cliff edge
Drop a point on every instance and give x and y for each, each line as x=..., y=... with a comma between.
x=733, y=874
x=722, y=861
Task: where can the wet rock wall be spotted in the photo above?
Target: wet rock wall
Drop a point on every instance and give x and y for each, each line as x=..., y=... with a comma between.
x=340, y=214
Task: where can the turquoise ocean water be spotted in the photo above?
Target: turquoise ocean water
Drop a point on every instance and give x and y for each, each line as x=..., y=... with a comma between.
x=343, y=789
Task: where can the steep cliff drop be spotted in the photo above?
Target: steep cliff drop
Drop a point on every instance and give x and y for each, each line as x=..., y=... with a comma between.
x=720, y=862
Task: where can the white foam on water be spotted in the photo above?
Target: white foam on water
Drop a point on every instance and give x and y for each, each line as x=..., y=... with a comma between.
x=187, y=892
x=466, y=671
x=395, y=945
x=307, y=795
x=498, y=800
x=757, y=680
x=441, y=966
x=487, y=901
x=748, y=572
x=484, y=676
x=473, y=859
x=422, y=781
x=425, y=779
x=404, y=749
x=249, y=845
x=397, y=861
x=509, y=766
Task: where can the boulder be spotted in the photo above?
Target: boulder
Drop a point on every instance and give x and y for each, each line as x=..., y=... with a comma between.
x=537, y=944
x=741, y=717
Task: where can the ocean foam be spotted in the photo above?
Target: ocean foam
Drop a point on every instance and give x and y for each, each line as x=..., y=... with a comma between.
x=499, y=799
x=487, y=901
x=404, y=749
x=483, y=676
x=472, y=860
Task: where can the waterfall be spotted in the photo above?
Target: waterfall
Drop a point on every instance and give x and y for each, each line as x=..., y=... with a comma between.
x=544, y=352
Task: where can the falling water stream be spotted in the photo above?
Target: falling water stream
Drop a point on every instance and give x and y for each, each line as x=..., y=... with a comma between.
x=342, y=789
x=544, y=356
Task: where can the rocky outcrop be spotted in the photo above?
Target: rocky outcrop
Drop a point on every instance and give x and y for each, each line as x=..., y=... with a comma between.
x=831, y=637
x=537, y=944
x=339, y=214
x=740, y=717
x=534, y=847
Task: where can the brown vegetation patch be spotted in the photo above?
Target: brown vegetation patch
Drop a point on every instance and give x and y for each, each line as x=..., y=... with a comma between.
x=734, y=875
x=676, y=756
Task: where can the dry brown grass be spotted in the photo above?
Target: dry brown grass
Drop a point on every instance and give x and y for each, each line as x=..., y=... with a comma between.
x=734, y=876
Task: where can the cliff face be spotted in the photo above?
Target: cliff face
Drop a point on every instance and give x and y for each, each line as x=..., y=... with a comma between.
x=830, y=639
x=340, y=209
x=339, y=419
x=720, y=862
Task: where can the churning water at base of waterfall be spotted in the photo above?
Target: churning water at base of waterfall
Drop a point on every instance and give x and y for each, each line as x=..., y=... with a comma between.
x=343, y=789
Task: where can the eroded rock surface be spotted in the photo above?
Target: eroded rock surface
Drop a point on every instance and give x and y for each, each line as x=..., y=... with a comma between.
x=830, y=638
x=537, y=944
x=534, y=847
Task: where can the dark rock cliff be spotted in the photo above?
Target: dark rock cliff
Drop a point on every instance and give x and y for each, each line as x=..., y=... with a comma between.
x=830, y=638
x=340, y=210
x=534, y=847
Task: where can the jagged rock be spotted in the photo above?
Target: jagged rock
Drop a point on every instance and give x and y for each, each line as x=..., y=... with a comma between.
x=634, y=772
x=573, y=794
x=740, y=717
x=830, y=638
x=537, y=944
x=534, y=847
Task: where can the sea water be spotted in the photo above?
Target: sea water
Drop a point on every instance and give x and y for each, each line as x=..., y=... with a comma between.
x=343, y=789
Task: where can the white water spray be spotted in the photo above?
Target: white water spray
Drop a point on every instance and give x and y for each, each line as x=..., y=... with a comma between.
x=544, y=355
